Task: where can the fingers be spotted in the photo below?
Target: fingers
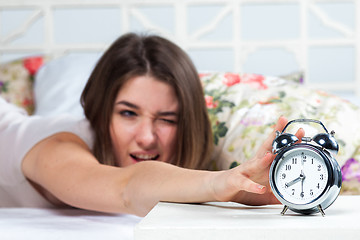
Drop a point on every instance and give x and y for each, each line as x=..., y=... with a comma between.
x=267, y=145
x=266, y=161
x=300, y=134
x=257, y=170
x=282, y=121
x=262, y=163
x=248, y=185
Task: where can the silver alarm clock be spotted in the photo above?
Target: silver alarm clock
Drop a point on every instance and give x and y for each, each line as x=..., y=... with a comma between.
x=305, y=177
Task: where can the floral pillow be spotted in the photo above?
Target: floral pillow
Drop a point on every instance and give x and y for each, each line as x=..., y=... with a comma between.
x=244, y=108
x=16, y=81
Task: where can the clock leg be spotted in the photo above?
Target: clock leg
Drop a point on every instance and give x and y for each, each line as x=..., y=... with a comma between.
x=321, y=210
x=284, y=210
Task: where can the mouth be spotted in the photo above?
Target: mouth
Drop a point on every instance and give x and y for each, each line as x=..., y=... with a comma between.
x=144, y=157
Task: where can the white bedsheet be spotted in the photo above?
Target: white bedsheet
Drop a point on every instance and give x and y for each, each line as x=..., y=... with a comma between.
x=38, y=224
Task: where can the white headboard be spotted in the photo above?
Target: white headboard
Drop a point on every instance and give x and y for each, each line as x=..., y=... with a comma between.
x=320, y=38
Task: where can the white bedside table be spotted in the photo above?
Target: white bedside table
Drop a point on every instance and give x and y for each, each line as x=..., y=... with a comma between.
x=235, y=221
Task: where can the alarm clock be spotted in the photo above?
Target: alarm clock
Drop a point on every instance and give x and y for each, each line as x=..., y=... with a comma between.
x=305, y=177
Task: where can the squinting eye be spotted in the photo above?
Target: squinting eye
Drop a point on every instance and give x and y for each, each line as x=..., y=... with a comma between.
x=168, y=121
x=127, y=113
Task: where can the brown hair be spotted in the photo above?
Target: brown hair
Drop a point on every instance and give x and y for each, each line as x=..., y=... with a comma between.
x=136, y=55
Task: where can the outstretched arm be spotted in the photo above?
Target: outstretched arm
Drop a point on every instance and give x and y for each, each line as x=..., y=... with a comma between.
x=64, y=167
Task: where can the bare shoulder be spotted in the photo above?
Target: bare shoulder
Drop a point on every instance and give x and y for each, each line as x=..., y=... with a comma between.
x=53, y=157
x=53, y=148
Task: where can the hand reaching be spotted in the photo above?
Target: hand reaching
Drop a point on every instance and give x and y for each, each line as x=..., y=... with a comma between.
x=249, y=182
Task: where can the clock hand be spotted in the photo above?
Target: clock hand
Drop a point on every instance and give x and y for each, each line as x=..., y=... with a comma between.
x=293, y=182
x=302, y=177
x=302, y=163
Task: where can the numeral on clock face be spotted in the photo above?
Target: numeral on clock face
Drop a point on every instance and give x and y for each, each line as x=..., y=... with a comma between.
x=301, y=175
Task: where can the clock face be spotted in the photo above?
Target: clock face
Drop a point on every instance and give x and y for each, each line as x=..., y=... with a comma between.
x=301, y=175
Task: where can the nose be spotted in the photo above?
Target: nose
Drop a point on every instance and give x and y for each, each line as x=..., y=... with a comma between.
x=146, y=136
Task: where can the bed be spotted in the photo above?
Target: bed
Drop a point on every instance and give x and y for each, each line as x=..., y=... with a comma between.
x=250, y=71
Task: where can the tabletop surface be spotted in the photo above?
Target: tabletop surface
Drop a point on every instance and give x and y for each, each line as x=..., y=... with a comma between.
x=237, y=221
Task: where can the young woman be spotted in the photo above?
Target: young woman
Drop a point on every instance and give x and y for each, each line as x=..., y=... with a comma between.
x=146, y=138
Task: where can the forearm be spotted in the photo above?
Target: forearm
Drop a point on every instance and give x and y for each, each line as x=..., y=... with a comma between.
x=63, y=167
x=151, y=182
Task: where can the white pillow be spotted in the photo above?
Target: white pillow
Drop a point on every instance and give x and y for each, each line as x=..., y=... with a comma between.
x=59, y=84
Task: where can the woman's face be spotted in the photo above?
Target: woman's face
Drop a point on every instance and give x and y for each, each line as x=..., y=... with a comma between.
x=144, y=121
